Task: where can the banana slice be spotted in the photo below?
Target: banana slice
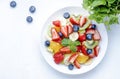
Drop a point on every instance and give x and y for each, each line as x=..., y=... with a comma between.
x=73, y=36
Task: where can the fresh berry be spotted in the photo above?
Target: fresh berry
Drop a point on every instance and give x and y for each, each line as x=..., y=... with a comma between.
x=60, y=34
x=96, y=36
x=77, y=65
x=79, y=48
x=89, y=51
x=47, y=43
x=96, y=50
x=70, y=66
x=64, y=31
x=55, y=35
x=90, y=31
x=58, y=57
x=82, y=21
x=70, y=29
x=82, y=37
x=65, y=50
x=73, y=57
x=13, y=4
x=75, y=28
x=74, y=21
x=92, y=55
x=66, y=15
x=29, y=19
x=57, y=23
x=83, y=49
x=89, y=36
x=93, y=26
x=32, y=9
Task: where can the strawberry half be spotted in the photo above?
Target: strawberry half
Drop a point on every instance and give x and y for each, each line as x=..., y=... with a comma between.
x=65, y=50
x=74, y=21
x=64, y=31
x=96, y=50
x=70, y=29
x=92, y=55
x=96, y=36
x=58, y=57
x=82, y=20
x=73, y=58
x=82, y=37
x=57, y=23
x=55, y=35
x=83, y=49
x=79, y=48
x=90, y=31
x=76, y=64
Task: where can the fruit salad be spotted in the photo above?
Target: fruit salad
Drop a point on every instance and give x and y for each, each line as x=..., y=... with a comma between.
x=75, y=43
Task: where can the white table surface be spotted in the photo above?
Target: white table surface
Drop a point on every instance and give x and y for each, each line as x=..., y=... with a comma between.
x=20, y=56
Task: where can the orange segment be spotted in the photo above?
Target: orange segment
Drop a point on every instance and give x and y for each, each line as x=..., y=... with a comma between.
x=82, y=58
x=55, y=46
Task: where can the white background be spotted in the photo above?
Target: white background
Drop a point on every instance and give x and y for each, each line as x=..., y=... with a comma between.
x=20, y=56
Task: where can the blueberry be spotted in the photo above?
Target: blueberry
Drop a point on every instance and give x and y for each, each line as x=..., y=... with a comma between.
x=13, y=4
x=32, y=9
x=70, y=66
x=66, y=15
x=93, y=26
x=89, y=36
x=89, y=51
x=29, y=19
x=75, y=28
x=47, y=43
x=60, y=34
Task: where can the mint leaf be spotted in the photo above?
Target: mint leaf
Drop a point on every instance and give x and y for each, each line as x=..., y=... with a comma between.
x=73, y=48
x=76, y=43
x=66, y=42
x=71, y=44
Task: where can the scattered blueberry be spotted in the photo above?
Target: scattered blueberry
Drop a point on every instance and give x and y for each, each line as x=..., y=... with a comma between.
x=47, y=43
x=29, y=19
x=89, y=51
x=89, y=36
x=66, y=15
x=13, y=4
x=93, y=26
x=60, y=34
x=75, y=28
x=32, y=9
x=70, y=66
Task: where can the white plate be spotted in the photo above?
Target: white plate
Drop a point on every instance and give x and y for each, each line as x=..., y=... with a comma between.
x=62, y=68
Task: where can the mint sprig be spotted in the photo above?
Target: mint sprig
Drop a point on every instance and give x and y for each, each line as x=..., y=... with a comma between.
x=72, y=44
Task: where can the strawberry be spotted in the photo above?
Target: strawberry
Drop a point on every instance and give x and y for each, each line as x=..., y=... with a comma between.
x=79, y=48
x=96, y=50
x=57, y=23
x=73, y=58
x=74, y=21
x=55, y=35
x=92, y=55
x=64, y=31
x=90, y=31
x=58, y=41
x=70, y=29
x=58, y=57
x=82, y=21
x=65, y=50
x=82, y=37
x=96, y=36
x=76, y=64
x=83, y=49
